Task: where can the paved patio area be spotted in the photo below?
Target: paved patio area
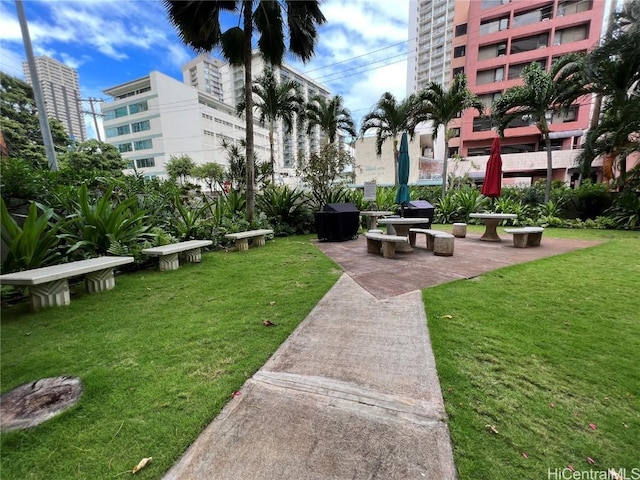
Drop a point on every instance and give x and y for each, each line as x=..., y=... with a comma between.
x=386, y=278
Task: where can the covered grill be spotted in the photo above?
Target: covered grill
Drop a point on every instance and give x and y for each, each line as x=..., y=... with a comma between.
x=338, y=222
x=419, y=209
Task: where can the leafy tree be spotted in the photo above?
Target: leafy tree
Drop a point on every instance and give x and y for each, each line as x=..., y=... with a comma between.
x=275, y=100
x=92, y=156
x=322, y=171
x=331, y=116
x=390, y=119
x=180, y=168
x=198, y=24
x=541, y=94
x=20, y=125
x=236, y=172
x=210, y=173
x=442, y=106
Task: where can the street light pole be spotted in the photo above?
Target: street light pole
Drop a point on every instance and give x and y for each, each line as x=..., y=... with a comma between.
x=37, y=89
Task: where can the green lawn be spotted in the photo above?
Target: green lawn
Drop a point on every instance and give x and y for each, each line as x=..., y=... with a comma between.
x=539, y=363
x=159, y=357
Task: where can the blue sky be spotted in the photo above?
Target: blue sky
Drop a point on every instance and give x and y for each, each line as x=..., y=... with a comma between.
x=361, y=52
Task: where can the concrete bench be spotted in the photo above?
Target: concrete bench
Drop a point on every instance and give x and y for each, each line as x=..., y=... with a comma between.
x=443, y=247
x=386, y=243
x=49, y=286
x=168, y=254
x=242, y=238
x=526, y=236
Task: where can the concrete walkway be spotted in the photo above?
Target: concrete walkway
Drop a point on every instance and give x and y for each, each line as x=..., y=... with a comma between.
x=353, y=393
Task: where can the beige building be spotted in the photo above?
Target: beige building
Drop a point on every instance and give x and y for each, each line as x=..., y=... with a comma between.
x=61, y=92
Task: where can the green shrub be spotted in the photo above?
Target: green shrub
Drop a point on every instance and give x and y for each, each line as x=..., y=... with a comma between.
x=286, y=209
x=588, y=201
x=468, y=200
x=33, y=245
x=625, y=212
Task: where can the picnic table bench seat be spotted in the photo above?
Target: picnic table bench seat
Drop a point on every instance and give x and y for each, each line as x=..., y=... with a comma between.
x=526, y=236
x=242, y=238
x=386, y=243
x=49, y=286
x=168, y=254
x=441, y=243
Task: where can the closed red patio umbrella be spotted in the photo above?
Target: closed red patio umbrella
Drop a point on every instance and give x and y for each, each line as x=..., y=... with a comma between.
x=492, y=185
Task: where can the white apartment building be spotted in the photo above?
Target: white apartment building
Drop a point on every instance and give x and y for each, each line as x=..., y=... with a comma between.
x=156, y=117
x=430, y=37
x=61, y=92
x=205, y=72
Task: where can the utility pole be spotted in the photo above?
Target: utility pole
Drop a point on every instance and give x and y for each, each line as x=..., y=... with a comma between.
x=93, y=113
x=47, y=139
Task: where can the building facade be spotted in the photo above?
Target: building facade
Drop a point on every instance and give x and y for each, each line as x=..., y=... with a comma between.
x=156, y=117
x=61, y=92
x=205, y=72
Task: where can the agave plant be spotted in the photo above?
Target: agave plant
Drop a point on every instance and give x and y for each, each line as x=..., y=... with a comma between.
x=33, y=245
x=286, y=209
x=190, y=222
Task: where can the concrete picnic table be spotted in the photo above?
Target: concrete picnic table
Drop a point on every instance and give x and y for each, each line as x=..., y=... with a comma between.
x=374, y=214
x=491, y=221
x=402, y=226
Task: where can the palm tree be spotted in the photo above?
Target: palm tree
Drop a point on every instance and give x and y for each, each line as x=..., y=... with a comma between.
x=390, y=119
x=198, y=24
x=442, y=106
x=541, y=95
x=612, y=71
x=331, y=116
x=275, y=100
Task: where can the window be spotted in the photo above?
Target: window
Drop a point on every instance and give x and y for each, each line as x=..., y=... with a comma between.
x=138, y=107
x=478, y=151
x=571, y=34
x=143, y=144
x=490, y=76
x=492, y=3
x=518, y=148
x=130, y=164
x=458, y=70
x=530, y=43
x=492, y=26
x=141, y=126
x=124, y=147
x=533, y=16
x=515, y=71
x=489, y=98
x=145, y=162
x=461, y=30
x=570, y=116
x=459, y=51
x=481, y=124
x=116, y=113
x=111, y=132
x=455, y=132
x=569, y=7
x=492, y=51
x=123, y=130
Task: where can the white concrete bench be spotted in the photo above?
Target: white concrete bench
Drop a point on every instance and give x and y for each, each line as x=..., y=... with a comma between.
x=168, y=254
x=49, y=286
x=386, y=243
x=242, y=238
x=443, y=247
x=526, y=236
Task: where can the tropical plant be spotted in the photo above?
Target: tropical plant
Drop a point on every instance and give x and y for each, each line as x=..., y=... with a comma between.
x=331, y=116
x=189, y=222
x=286, y=209
x=94, y=225
x=211, y=173
x=390, y=118
x=442, y=106
x=32, y=245
x=275, y=101
x=92, y=156
x=447, y=209
x=511, y=205
x=625, y=212
x=468, y=200
x=236, y=173
x=198, y=23
x=541, y=95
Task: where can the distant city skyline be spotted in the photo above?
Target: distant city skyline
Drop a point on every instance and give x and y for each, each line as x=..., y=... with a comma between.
x=361, y=50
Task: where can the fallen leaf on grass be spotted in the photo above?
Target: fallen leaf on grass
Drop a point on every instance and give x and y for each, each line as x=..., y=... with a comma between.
x=268, y=323
x=592, y=426
x=552, y=405
x=447, y=316
x=236, y=394
x=591, y=460
x=272, y=303
x=570, y=467
x=524, y=455
x=492, y=429
x=143, y=463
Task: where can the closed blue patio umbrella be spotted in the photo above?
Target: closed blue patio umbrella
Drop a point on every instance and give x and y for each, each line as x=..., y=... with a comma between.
x=402, y=194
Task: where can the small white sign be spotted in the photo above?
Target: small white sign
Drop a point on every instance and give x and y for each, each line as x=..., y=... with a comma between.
x=370, y=191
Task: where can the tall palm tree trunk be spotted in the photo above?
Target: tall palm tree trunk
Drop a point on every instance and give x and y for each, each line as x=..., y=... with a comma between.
x=248, y=100
x=273, y=161
x=445, y=165
x=395, y=162
x=547, y=142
